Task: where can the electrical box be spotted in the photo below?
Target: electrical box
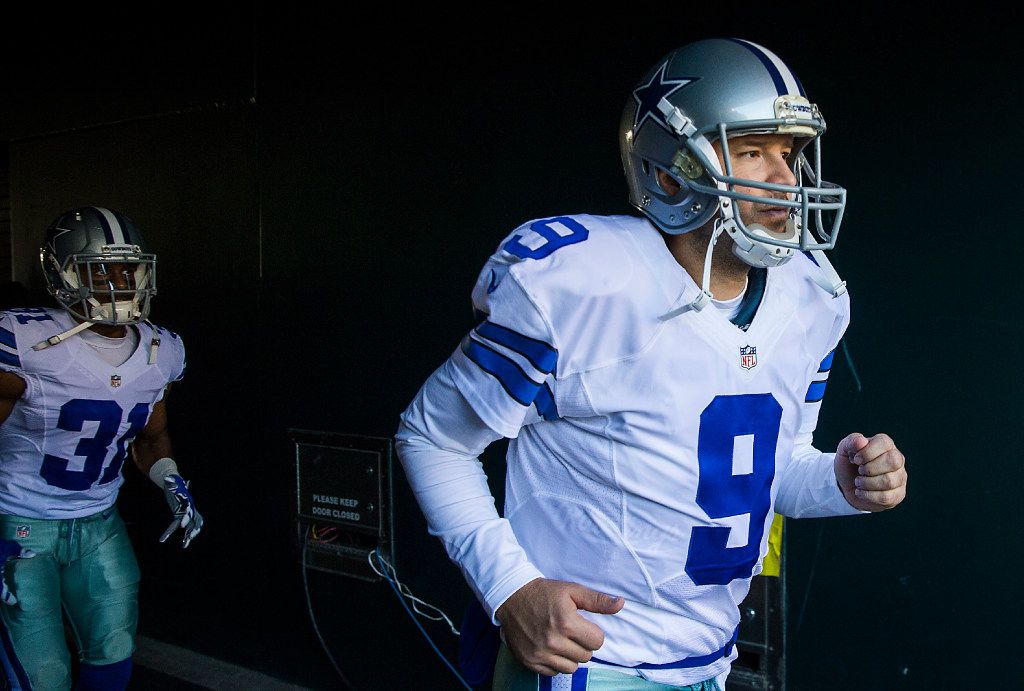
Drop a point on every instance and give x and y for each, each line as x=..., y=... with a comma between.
x=343, y=501
x=761, y=641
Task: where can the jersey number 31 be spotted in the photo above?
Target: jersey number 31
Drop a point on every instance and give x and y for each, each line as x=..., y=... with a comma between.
x=108, y=414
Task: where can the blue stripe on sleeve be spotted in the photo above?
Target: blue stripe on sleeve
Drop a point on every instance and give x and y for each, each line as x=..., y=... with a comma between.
x=8, y=339
x=540, y=354
x=515, y=382
x=815, y=392
x=544, y=682
x=826, y=364
x=579, y=679
x=546, y=403
x=10, y=359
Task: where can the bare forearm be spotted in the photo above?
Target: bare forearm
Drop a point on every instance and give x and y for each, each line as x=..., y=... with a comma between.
x=146, y=452
x=153, y=442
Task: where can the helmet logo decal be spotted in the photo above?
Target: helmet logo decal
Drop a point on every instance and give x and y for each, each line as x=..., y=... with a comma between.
x=748, y=357
x=649, y=95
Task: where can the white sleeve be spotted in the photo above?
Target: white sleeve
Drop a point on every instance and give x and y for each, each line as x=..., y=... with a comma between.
x=438, y=442
x=808, y=488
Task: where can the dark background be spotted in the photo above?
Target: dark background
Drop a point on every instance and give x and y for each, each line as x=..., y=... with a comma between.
x=322, y=187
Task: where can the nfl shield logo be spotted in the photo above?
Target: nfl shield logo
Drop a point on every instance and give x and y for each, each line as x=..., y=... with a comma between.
x=748, y=357
x=22, y=531
x=115, y=380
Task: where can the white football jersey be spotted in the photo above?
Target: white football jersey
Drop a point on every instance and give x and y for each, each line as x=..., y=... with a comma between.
x=647, y=454
x=64, y=444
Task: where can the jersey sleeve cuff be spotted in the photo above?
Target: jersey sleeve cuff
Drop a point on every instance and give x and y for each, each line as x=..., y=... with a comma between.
x=832, y=498
x=497, y=595
x=820, y=495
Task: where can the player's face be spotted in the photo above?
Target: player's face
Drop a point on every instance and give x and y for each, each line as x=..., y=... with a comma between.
x=110, y=276
x=764, y=158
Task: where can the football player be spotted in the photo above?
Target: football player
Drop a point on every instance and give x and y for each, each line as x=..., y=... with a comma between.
x=81, y=388
x=660, y=378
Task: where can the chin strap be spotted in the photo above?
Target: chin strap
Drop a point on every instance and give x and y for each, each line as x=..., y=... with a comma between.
x=54, y=340
x=154, y=344
x=827, y=277
x=705, y=296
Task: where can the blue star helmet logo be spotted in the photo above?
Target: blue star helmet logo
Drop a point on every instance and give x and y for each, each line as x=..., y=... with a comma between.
x=649, y=95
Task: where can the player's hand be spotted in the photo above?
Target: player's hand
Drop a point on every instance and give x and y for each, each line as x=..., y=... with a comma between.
x=10, y=549
x=544, y=630
x=183, y=506
x=871, y=472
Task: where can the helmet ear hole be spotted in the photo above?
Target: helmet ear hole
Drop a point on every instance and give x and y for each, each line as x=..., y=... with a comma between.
x=668, y=183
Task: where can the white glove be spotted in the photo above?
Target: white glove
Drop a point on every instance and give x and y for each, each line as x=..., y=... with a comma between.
x=165, y=474
x=186, y=516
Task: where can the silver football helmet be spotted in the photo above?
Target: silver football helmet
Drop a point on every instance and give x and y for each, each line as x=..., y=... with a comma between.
x=712, y=90
x=83, y=248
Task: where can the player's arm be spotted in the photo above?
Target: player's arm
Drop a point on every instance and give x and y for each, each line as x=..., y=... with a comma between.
x=12, y=387
x=438, y=442
x=153, y=455
x=153, y=442
x=807, y=486
x=864, y=475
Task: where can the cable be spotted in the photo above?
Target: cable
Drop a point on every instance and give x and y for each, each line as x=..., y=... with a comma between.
x=391, y=582
x=810, y=579
x=404, y=590
x=853, y=369
x=312, y=617
x=859, y=387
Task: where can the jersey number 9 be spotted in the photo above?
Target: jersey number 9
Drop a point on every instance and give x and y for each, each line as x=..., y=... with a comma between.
x=722, y=492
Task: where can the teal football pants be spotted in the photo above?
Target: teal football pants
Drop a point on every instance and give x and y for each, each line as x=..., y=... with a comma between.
x=86, y=565
x=509, y=675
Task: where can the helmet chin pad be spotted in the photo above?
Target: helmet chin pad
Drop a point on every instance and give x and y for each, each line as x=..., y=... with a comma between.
x=117, y=312
x=747, y=246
